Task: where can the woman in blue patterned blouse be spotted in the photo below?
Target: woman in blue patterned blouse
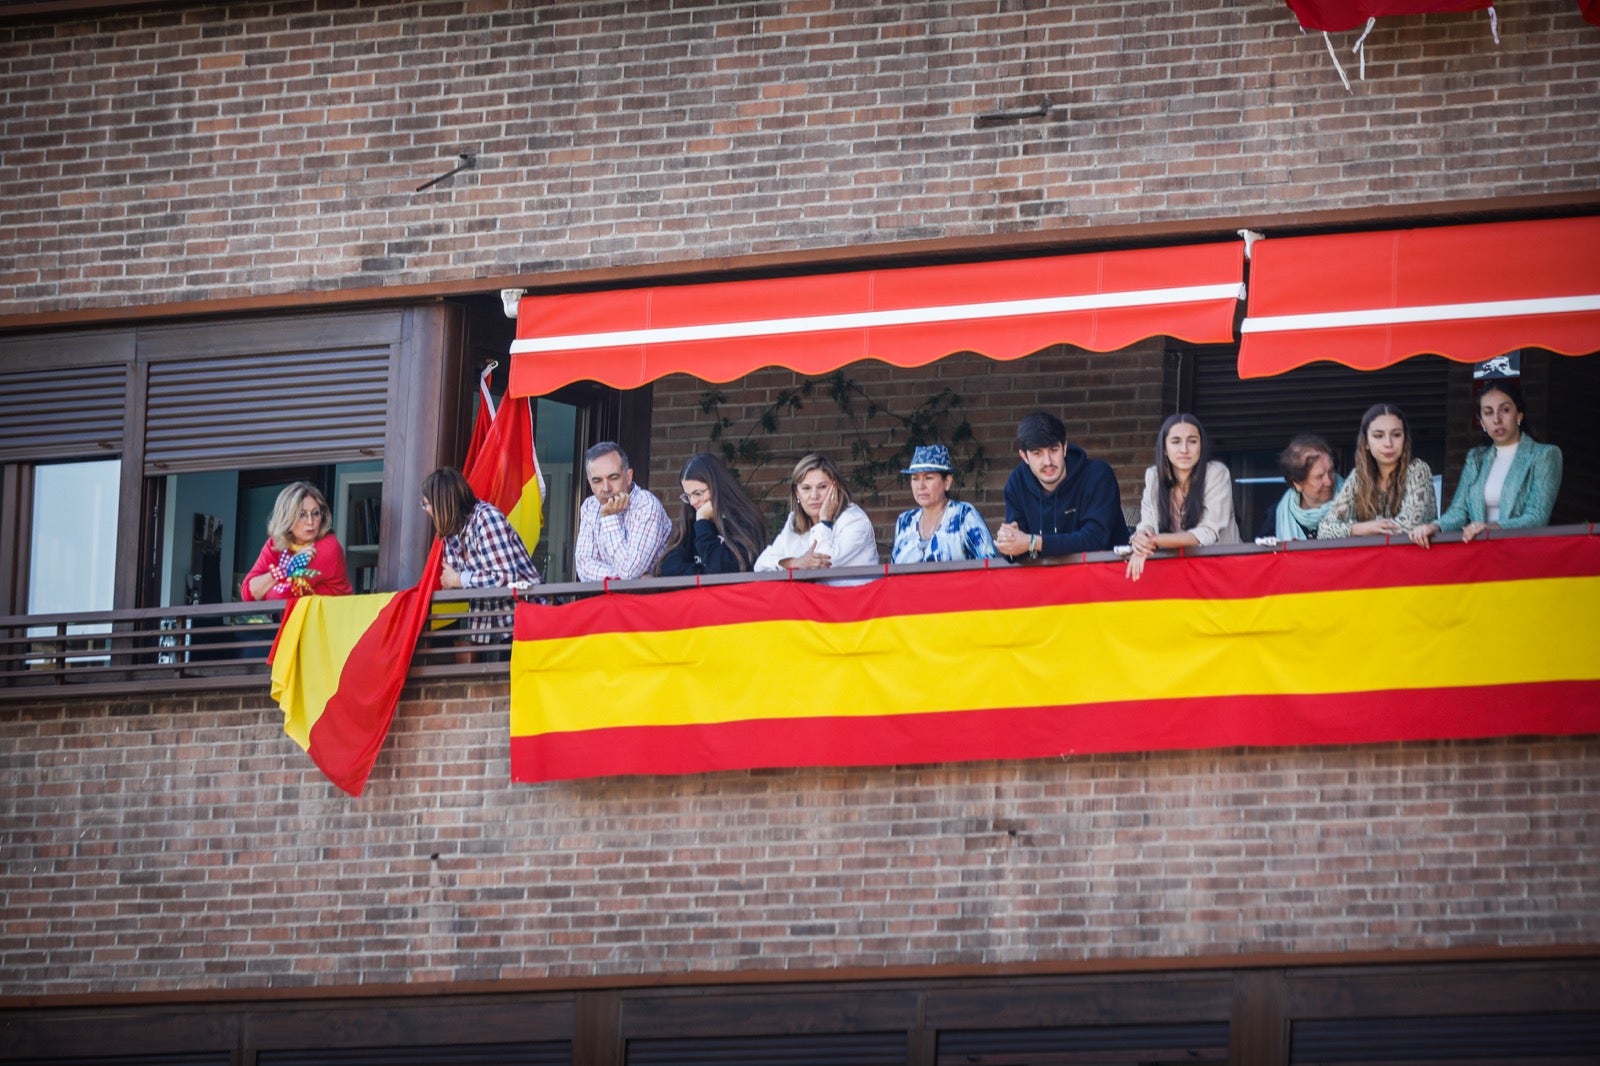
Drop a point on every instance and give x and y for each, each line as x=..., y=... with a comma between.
x=938, y=529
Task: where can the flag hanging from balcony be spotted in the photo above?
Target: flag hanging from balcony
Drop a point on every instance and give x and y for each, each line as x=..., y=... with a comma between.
x=338, y=665
x=505, y=471
x=1321, y=646
x=482, y=419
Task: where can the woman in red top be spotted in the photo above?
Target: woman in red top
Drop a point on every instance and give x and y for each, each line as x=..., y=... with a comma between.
x=301, y=555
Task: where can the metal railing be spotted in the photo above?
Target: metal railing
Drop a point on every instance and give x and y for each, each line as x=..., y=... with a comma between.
x=225, y=646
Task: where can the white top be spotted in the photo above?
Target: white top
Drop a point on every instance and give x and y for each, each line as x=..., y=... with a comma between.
x=1217, y=525
x=1504, y=454
x=850, y=541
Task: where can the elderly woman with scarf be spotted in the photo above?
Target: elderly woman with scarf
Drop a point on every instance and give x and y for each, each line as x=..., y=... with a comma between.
x=1307, y=467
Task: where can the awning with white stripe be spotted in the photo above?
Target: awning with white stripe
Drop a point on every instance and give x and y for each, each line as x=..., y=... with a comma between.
x=1368, y=300
x=907, y=317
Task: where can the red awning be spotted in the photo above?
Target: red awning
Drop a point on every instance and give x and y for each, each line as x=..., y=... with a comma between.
x=907, y=317
x=1468, y=293
x=1338, y=15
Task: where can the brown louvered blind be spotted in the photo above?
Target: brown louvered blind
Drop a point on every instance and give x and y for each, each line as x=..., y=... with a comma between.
x=62, y=414
x=265, y=410
x=1263, y=413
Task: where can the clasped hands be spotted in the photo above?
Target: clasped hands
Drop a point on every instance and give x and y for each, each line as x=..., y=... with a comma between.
x=1010, y=541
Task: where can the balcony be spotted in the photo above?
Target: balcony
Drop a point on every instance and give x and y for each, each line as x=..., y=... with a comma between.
x=225, y=646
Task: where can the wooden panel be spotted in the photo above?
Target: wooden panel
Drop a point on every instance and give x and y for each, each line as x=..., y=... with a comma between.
x=1081, y=1002
x=1475, y=1038
x=547, y=1053
x=292, y=407
x=1417, y=991
x=778, y=1012
x=1259, y=1032
x=595, y=1039
x=1200, y=1042
x=307, y=330
x=408, y=1023
x=427, y=390
x=835, y=1049
x=52, y=1036
x=62, y=413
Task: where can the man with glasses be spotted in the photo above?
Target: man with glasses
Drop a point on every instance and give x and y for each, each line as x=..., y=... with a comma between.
x=622, y=528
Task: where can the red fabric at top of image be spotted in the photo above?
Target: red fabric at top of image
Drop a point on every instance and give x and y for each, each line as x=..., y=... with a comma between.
x=1335, y=16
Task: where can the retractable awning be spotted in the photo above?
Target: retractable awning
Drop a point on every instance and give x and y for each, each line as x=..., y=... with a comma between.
x=1338, y=15
x=907, y=317
x=1468, y=293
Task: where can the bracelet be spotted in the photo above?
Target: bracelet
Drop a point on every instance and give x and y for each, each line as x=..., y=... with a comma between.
x=1035, y=542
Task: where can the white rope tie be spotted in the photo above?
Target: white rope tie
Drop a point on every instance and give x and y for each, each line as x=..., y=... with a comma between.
x=1494, y=24
x=1335, y=57
x=1360, y=48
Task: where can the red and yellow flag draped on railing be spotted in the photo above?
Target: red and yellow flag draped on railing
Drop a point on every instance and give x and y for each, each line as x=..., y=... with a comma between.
x=338, y=665
x=1322, y=646
x=339, y=662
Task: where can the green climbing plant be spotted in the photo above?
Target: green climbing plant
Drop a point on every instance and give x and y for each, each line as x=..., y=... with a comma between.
x=878, y=440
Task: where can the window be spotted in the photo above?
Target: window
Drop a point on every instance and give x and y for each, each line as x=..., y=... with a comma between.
x=72, y=545
x=213, y=524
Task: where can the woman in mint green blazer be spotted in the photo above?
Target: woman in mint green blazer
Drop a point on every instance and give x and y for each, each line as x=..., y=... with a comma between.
x=1509, y=483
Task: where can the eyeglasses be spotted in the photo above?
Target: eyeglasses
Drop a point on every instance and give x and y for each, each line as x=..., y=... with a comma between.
x=694, y=497
x=314, y=516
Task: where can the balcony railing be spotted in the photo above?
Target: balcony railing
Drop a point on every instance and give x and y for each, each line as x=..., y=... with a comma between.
x=225, y=646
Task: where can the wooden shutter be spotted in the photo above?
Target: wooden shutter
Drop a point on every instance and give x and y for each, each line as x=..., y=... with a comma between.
x=535, y=1053
x=1263, y=413
x=839, y=1049
x=263, y=410
x=1504, y=1038
x=62, y=413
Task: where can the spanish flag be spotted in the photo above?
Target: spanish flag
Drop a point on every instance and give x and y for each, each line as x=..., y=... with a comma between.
x=1318, y=646
x=482, y=419
x=505, y=471
x=338, y=665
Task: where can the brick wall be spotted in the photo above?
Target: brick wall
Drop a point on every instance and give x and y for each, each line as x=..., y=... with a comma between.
x=1111, y=403
x=206, y=151
x=186, y=843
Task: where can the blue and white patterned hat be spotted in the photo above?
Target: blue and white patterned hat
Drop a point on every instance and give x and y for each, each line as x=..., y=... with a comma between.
x=930, y=458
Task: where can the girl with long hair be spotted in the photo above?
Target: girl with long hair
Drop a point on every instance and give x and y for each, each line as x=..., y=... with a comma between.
x=719, y=530
x=1389, y=492
x=1188, y=496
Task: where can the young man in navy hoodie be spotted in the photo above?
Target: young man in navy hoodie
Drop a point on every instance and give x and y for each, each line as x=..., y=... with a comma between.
x=1058, y=500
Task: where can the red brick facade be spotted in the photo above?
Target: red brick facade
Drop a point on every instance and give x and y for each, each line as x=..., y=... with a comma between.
x=221, y=158
x=186, y=843
x=187, y=153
